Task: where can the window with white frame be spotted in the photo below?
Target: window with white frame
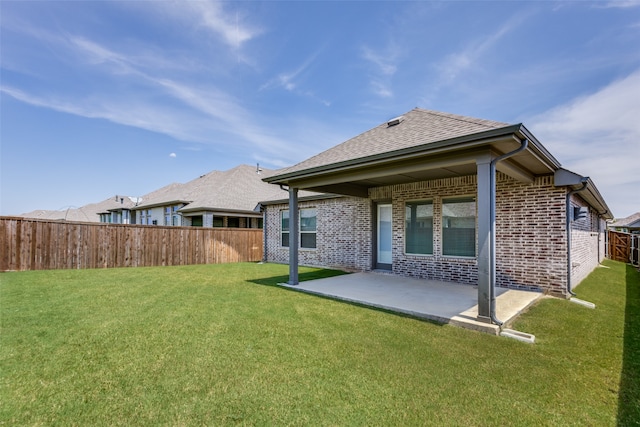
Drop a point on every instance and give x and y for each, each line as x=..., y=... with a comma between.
x=167, y=215
x=284, y=227
x=145, y=217
x=459, y=227
x=307, y=228
x=418, y=229
x=175, y=216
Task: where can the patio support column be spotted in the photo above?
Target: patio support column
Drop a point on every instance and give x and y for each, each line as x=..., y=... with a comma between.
x=486, y=191
x=293, y=236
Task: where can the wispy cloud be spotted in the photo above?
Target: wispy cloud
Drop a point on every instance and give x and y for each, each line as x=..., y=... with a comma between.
x=226, y=24
x=597, y=135
x=383, y=67
x=619, y=4
x=225, y=21
x=384, y=62
x=291, y=81
x=456, y=63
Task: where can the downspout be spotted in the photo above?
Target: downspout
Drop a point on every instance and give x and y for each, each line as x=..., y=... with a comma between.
x=263, y=211
x=603, y=231
x=600, y=215
x=568, y=231
x=492, y=214
x=282, y=187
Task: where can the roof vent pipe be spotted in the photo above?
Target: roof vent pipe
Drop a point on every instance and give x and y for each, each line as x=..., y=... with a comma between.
x=492, y=207
x=569, y=216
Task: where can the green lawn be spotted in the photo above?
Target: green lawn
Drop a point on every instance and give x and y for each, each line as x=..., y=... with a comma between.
x=218, y=345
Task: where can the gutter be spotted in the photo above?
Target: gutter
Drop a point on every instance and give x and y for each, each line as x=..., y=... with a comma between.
x=492, y=215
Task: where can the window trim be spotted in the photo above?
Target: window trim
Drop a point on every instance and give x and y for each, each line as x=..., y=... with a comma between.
x=309, y=232
x=300, y=231
x=282, y=229
x=430, y=201
x=443, y=200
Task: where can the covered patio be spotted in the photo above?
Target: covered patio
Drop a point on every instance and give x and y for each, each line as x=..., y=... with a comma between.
x=438, y=301
x=420, y=146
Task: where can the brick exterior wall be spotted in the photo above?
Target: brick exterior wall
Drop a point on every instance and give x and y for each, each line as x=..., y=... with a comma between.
x=587, y=243
x=531, y=247
x=530, y=234
x=436, y=266
x=343, y=236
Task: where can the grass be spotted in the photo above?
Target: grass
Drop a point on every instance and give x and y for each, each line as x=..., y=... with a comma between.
x=218, y=345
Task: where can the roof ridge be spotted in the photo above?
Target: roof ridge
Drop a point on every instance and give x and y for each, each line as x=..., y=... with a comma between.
x=460, y=118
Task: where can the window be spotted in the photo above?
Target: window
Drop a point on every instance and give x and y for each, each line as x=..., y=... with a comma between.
x=167, y=216
x=175, y=219
x=233, y=222
x=307, y=228
x=197, y=221
x=284, y=224
x=418, y=228
x=459, y=227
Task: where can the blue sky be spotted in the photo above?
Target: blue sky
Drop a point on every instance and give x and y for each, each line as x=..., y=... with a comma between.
x=102, y=97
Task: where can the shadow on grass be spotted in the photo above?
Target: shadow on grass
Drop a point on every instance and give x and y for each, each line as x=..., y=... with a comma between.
x=302, y=277
x=629, y=397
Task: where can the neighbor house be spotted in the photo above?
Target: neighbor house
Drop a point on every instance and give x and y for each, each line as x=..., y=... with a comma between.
x=121, y=213
x=630, y=224
x=112, y=210
x=441, y=196
x=217, y=199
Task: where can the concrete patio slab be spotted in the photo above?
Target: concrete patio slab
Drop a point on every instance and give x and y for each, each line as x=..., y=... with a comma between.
x=442, y=302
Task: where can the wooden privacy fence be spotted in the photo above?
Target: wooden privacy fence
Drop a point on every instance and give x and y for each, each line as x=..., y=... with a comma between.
x=31, y=244
x=623, y=246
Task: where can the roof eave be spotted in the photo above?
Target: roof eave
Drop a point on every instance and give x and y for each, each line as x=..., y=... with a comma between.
x=319, y=196
x=217, y=210
x=591, y=194
x=164, y=203
x=439, y=147
x=536, y=147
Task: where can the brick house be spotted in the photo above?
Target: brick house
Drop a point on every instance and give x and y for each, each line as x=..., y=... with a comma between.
x=440, y=196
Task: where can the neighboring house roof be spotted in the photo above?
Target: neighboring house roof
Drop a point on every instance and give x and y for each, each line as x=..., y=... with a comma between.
x=87, y=213
x=168, y=195
x=632, y=221
x=240, y=189
x=237, y=190
x=422, y=145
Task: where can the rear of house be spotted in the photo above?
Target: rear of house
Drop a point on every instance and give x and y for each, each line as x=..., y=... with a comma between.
x=431, y=204
x=415, y=230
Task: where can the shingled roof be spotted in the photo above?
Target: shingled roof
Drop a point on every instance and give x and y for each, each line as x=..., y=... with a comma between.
x=87, y=213
x=630, y=221
x=237, y=189
x=419, y=127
